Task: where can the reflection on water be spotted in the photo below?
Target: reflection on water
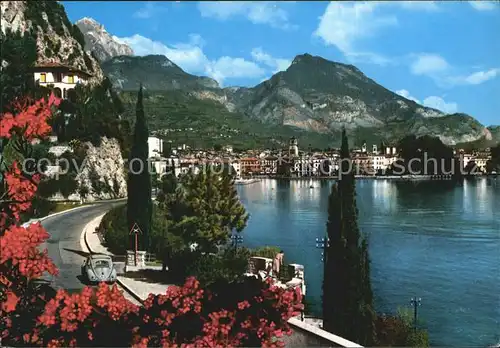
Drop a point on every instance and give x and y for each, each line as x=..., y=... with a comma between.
x=436, y=240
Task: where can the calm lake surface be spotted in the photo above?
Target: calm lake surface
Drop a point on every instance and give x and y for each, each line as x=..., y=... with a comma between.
x=436, y=240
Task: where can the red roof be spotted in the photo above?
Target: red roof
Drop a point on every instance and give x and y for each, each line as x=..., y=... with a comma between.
x=60, y=66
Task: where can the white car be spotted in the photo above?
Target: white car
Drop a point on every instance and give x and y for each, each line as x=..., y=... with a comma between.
x=99, y=268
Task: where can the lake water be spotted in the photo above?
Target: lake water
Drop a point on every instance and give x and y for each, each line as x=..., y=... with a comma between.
x=437, y=240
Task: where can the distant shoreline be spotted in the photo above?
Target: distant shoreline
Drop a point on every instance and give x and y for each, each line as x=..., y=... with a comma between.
x=257, y=178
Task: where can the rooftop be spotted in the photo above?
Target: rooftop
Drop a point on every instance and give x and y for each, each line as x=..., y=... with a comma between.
x=56, y=65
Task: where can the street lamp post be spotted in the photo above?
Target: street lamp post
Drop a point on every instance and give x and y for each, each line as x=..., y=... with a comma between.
x=237, y=239
x=322, y=243
x=135, y=231
x=415, y=302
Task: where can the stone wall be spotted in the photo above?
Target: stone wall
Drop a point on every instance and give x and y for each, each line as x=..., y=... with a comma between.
x=102, y=173
x=107, y=164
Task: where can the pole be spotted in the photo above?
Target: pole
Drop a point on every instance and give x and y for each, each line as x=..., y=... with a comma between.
x=236, y=240
x=415, y=302
x=415, y=317
x=323, y=243
x=135, y=254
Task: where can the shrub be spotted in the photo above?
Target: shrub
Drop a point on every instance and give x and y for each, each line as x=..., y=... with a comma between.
x=228, y=265
x=266, y=251
x=397, y=331
x=244, y=313
x=114, y=227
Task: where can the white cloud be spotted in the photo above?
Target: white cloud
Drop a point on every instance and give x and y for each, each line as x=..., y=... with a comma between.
x=434, y=102
x=188, y=56
x=430, y=6
x=149, y=10
x=191, y=58
x=407, y=95
x=278, y=64
x=343, y=24
x=369, y=57
x=259, y=12
x=445, y=75
x=483, y=5
x=427, y=64
x=440, y=104
x=346, y=24
x=481, y=76
x=228, y=67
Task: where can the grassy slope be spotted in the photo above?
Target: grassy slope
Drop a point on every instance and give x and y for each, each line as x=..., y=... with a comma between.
x=210, y=119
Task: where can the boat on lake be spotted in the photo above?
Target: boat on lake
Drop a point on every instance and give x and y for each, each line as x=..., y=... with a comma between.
x=245, y=181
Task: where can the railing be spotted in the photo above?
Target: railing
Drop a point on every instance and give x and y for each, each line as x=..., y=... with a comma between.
x=305, y=334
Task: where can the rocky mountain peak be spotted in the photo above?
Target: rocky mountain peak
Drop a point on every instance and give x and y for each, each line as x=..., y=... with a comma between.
x=300, y=58
x=100, y=42
x=308, y=61
x=90, y=23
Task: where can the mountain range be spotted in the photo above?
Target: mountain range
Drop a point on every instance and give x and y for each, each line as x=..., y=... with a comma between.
x=313, y=98
x=313, y=94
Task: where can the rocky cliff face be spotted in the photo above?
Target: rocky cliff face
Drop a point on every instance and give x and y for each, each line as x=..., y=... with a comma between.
x=494, y=132
x=57, y=39
x=100, y=42
x=103, y=173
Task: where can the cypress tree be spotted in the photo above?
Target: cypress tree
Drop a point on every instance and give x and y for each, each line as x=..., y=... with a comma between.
x=347, y=293
x=139, y=204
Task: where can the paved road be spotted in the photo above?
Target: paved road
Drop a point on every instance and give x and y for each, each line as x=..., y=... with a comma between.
x=64, y=243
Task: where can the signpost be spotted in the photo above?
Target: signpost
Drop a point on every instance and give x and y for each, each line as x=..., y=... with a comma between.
x=136, y=231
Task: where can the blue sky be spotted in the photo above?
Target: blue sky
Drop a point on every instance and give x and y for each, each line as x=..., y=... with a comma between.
x=442, y=54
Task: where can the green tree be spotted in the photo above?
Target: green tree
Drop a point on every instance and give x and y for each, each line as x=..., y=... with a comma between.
x=92, y=112
x=217, y=147
x=139, y=205
x=435, y=158
x=18, y=56
x=168, y=187
x=347, y=293
x=212, y=206
x=155, y=179
x=203, y=208
x=493, y=165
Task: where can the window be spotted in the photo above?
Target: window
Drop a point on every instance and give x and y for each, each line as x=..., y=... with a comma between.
x=71, y=79
x=43, y=77
x=57, y=77
x=101, y=263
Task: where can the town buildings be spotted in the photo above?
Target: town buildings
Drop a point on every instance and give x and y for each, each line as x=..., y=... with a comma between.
x=290, y=162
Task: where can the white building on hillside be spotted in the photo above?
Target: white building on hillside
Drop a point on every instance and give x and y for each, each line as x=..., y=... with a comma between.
x=59, y=77
x=237, y=169
x=155, y=147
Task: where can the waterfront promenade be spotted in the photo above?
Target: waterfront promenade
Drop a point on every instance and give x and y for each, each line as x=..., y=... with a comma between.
x=255, y=178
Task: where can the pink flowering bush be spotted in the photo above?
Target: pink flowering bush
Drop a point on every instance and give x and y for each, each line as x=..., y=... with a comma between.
x=248, y=312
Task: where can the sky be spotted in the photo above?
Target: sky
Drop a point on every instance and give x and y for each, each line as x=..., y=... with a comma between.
x=445, y=55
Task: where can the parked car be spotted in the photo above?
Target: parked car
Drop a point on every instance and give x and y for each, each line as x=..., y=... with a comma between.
x=99, y=268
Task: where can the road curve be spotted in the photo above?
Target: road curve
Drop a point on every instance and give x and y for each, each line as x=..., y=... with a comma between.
x=64, y=246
